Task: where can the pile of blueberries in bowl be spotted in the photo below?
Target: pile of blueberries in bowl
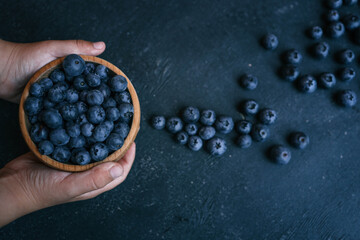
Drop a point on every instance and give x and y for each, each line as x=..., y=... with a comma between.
x=81, y=113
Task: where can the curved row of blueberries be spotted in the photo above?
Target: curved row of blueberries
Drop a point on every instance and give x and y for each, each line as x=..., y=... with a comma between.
x=80, y=113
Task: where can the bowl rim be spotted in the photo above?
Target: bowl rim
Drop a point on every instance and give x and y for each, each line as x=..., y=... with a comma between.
x=43, y=72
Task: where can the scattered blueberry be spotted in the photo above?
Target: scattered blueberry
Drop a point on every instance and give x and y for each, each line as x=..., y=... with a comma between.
x=99, y=151
x=206, y=132
x=290, y=72
x=321, y=50
x=248, y=82
x=299, y=140
x=45, y=147
x=346, y=98
x=327, y=80
x=334, y=3
x=292, y=56
x=158, y=122
x=260, y=133
x=191, y=129
x=190, y=114
x=243, y=126
x=280, y=154
x=270, y=41
x=57, y=75
x=315, y=32
x=351, y=21
x=216, y=146
x=336, y=29
x=182, y=137
x=126, y=112
x=207, y=117
x=347, y=74
x=349, y=2
x=73, y=65
x=224, y=124
x=33, y=106
x=250, y=107
x=118, y=83
x=244, y=141
x=307, y=84
x=195, y=143
x=267, y=116
x=174, y=125
x=61, y=154
x=346, y=56
x=332, y=15
x=59, y=137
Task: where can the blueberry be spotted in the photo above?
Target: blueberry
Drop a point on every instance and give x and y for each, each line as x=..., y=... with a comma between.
x=191, y=114
x=112, y=114
x=321, y=50
x=280, y=154
x=45, y=147
x=38, y=132
x=244, y=141
x=94, y=97
x=351, y=21
x=105, y=90
x=334, y=3
x=126, y=112
x=81, y=157
x=33, y=106
x=73, y=65
x=80, y=83
x=99, y=152
x=109, y=125
x=69, y=78
x=158, y=122
x=52, y=118
x=57, y=75
x=307, y=84
x=315, y=32
x=69, y=112
x=83, y=95
x=267, y=116
x=61, y=154
x=59, y=137
x=110, y=102
x=207, y=117
x=292, y=56
x=118, y=83
x=122, y=97
x=346, y=98
x=346, y=56
x=260, y=133
x=270, y=41
x=349, y=2
x=336, y=29
x=46, y=83
x=250, y=107
x=48, y=104
x=36, y=90
x=121, y=128
x=93, y=80
x=102, y=71
x=206, y=132
x=327, y=80
x=101, y=132
x=174, y=124
x=73, y=129
x=96, y=114
x=60, y=105
x=243, y=126
x=182, y=137
x=290, y=72
x=89, y=68
x=71, y=95
x=332, y=15
x=87, y=129
x=81, y=107
x=77, y=142
x=195, y=143
x=248, y=82
x=81, y=119
x=216, y=146
x=299, y=140
x=224, y=124
x=114, y=141
x=56, y=94
x=346, y=74
x=33, y=119
x=191, y=129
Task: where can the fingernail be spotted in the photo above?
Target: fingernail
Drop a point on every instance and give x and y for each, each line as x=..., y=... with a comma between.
x=98, y=45
x=116, y=172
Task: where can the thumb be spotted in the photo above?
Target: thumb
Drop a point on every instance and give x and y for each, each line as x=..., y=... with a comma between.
x=61, y=48
x=96, y=178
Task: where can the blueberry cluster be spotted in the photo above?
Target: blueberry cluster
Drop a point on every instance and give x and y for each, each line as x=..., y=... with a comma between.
x=80, y=113
x=197, y=129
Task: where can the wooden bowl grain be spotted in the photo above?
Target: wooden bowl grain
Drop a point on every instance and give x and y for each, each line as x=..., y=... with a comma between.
x=25, y=125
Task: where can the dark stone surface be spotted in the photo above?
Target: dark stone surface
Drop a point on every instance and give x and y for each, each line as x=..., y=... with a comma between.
x=180, y=53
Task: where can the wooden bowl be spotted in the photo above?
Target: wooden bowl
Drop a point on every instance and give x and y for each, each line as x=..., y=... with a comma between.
x=25, y=125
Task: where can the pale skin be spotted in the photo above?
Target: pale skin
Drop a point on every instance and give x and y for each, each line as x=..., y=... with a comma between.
x=27, y=185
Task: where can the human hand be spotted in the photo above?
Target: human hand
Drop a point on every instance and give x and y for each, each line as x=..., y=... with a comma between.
x=27, y=185
x=19, y=61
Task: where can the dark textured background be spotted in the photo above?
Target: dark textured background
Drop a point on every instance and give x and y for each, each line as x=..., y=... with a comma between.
x=180, y=53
